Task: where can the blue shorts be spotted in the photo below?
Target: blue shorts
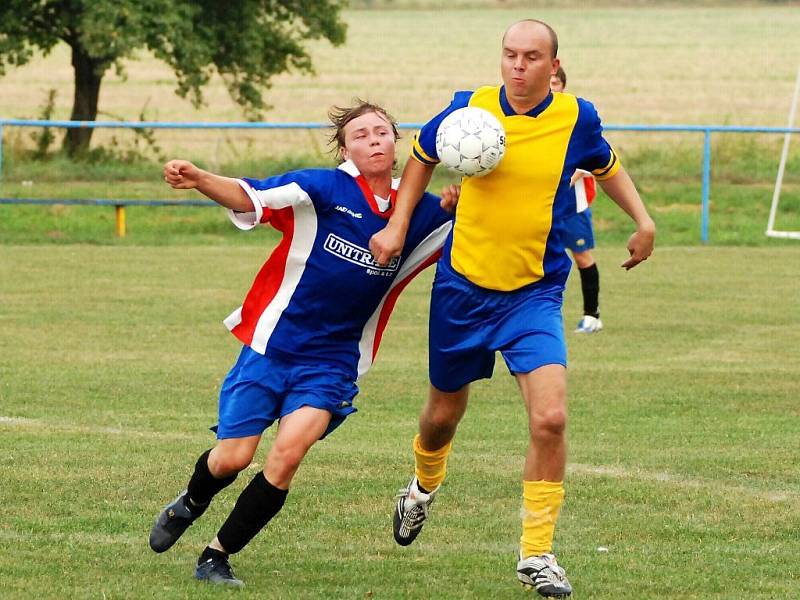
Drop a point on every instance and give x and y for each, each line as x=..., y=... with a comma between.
x=261, y=389
x=578, y=232
x=468, y=324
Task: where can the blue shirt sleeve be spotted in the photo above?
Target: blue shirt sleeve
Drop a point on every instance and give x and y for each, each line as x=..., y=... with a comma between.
x=424, y=148
x=596, y=154
x=294, y=188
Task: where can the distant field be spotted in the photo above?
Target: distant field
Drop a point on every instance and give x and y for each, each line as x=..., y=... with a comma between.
x=648, y=65
x=683, y=437
x=732, y=65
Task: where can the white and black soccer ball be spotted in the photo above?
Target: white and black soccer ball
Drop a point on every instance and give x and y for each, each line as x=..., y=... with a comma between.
x=471, y=141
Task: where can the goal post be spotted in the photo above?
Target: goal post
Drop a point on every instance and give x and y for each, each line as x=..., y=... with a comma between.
x=776, y=194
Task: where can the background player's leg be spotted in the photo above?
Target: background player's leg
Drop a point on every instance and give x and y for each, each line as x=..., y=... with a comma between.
x=590, y=282
x=583, y=259
x=590, y=289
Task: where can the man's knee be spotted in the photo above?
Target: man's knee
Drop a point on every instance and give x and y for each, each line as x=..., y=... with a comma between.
x=442, y=417
x=286, y=458
x=445, y=409
x=551, y=423
x=227, y=460
x=583, y=259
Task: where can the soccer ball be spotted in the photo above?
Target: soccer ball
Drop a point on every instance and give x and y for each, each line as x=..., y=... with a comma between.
x=471, y=141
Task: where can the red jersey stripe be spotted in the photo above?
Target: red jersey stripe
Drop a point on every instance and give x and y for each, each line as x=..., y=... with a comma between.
x=269, y=278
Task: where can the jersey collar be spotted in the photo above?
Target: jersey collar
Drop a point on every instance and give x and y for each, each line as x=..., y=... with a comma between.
x=374, y=201
x=509, y=111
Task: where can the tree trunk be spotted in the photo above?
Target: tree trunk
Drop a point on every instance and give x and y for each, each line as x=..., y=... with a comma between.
x=88, y=75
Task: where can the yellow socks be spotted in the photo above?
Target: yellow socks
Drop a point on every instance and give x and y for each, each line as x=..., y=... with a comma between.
x=431, y=465
x=541, y=503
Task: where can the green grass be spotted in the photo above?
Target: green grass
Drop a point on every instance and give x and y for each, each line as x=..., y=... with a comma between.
x=682, y=436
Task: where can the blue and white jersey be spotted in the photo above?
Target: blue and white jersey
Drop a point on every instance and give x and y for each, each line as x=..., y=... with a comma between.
x=320, y=296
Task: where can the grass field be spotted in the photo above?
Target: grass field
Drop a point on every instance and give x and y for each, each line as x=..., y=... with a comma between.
x=683, y=412
x=683, y=459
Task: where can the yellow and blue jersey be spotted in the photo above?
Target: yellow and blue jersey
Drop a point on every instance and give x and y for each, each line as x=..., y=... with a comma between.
x=508, y=231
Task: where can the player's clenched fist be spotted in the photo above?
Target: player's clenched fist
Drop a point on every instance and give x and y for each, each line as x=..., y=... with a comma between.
x=182, y=174
x=450, y=196
x=387, y=243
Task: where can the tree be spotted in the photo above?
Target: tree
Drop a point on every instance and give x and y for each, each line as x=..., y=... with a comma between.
x=246, y=41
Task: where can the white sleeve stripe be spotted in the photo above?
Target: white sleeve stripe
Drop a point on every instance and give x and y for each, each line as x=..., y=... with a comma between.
x=233, y=319
x=424, y=249
x=247, y=220
x=284, y=196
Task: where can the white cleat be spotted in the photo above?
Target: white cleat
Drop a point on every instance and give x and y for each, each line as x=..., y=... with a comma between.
x=410, y=512
x=543, y=574
x=589, y=324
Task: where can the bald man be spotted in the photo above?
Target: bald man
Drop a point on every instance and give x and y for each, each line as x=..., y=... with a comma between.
x=499, y=283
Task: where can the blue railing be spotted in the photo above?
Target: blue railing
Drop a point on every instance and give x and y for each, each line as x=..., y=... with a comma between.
x=706, y=130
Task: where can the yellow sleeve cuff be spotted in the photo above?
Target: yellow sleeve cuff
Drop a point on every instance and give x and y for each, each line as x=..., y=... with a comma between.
x=420, y=154
x=609, y=170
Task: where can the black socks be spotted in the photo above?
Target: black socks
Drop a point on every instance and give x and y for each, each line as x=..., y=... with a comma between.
x=257, y=504
x=208, y=553
x=590, y=286
x=203, y=486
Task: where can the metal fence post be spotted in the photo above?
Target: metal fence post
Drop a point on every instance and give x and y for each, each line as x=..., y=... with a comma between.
x=119, y=214
x=706, y=184
x=1, y=151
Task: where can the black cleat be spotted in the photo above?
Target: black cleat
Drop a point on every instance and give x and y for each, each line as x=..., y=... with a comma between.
x=216, y=569
x=172, y=522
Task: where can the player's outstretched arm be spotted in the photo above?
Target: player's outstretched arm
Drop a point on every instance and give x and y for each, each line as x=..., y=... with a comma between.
x=184, y=175
x=389, y=241
x=621, y=189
